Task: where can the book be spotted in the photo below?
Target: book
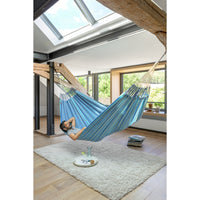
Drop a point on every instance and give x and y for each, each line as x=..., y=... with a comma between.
x=138, y=138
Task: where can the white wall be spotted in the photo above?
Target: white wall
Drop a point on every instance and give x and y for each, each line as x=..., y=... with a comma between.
x=151, y=124
x=43, y=99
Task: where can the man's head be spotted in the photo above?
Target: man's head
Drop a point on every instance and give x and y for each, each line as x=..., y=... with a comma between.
x=65, y=126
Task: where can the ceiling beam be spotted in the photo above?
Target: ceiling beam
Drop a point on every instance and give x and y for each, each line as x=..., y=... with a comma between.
x=40, y=6
x=108, y=36
x=144, y=13
x=40, y=57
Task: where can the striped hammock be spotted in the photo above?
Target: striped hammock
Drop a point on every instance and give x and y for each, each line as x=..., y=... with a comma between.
x=101, y=120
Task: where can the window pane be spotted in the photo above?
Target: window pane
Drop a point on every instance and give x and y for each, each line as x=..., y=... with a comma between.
x=90, y=85
x=130, y=79
x=83, y=81
x=66, y=17
x=104, y=88
x=97, y=10
x=157, y=92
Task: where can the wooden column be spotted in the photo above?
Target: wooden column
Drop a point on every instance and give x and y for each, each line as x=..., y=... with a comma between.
x=115, y=85
x=95, y=87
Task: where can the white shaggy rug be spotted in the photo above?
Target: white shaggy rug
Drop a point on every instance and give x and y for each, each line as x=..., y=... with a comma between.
x=119, y=170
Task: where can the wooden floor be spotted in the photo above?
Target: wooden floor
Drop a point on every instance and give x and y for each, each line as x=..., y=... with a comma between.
x=52, y=183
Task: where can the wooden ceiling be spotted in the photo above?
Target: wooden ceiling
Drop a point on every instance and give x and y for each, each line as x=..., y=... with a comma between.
x=144, y=13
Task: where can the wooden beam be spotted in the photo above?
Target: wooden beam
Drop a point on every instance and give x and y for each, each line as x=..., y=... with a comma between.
x=41, y=73
x=61, y=68
x=62, y=82
x=144, y=13
x=56, y=79
x=43, y=70
x=40, y=65
x=136, y=68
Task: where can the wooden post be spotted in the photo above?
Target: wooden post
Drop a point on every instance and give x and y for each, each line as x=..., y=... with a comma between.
x=95, y=87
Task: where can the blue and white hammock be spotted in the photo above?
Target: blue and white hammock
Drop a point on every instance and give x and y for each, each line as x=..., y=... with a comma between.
x=101, y=120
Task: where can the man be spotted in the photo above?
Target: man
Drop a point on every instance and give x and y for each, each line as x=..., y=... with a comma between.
x=69, y=127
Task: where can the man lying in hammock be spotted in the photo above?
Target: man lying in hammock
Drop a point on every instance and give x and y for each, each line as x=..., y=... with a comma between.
x=69, y=127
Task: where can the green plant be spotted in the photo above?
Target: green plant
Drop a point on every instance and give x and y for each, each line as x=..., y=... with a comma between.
x=158, y=105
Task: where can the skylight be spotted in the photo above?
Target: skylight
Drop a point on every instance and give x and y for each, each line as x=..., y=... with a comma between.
x=73, y=21
x=66, y=17
x=98, y=10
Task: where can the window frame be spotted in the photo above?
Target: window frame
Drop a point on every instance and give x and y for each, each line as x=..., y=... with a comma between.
x=95, y=84
x=87, y=82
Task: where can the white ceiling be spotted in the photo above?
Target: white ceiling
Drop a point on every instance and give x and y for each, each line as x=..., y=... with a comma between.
x=139, y=48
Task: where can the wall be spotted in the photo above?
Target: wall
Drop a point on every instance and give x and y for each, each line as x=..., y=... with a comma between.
x=151, y=124
x=43, y=99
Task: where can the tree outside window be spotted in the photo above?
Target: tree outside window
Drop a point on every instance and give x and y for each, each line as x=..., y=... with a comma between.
x=104, y=88
x=157, y=92
x=83, y=81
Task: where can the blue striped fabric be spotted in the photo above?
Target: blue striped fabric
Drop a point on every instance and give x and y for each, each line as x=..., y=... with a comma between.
x=100, y=120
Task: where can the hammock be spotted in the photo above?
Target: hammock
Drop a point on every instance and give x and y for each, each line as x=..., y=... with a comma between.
x=101, y=120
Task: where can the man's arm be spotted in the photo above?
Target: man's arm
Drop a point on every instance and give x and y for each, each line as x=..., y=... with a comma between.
x=71, y=120
x=75, y=136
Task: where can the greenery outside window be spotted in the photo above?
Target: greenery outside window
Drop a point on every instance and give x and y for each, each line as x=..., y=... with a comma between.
x=158, y=86
x=101, y=88
x=104, y=88
x=83, y=81
x=86, y=82
x=89, y=85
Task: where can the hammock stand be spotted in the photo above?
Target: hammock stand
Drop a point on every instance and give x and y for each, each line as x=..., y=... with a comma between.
x=100, y=120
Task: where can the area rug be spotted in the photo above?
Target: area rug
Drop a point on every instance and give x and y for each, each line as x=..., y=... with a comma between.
x=119, y=170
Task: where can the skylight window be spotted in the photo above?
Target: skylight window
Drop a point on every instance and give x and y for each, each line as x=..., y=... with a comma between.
x=66, y=17
x=98, y=10
x=73, y=21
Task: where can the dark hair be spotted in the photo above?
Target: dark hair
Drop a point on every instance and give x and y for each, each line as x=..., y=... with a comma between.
x=62, y=126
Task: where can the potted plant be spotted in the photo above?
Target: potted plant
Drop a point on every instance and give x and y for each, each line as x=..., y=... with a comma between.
x=158, y=106
x=150, y=106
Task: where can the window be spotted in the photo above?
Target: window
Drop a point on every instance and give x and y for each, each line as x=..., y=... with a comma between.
x=89, y=88
x=98, y=10
x=86, y=82
x=66, y=17
x=98, y=88
x=73, y=21
x=104, y=88
x=157, y=92
x=83, y=81
x=130, y=78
